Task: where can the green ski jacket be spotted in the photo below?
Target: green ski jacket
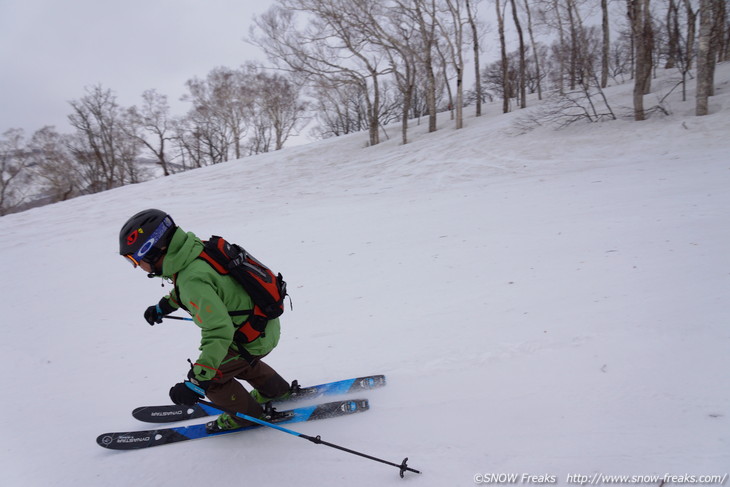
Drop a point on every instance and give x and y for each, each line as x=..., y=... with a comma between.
x=209, y=296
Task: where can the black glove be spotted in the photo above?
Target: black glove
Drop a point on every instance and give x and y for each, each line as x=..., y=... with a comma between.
x=182, y=393
x=189, y=392
x=154, y=314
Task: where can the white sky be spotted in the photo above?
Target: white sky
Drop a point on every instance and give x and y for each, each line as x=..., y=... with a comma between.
x=50, y=50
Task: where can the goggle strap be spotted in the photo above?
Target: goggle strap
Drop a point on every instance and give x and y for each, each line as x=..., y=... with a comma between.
x=151, y=242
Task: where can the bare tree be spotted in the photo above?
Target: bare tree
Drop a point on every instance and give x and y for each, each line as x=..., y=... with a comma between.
x=400, y=49
x=421, y=95
x=339, y=111
x=222, y=109
x=403, y=61
x=235, y=113
x=563, y=43
x=717, y=34
x=534, y=70
x=54, y=168
x=563, y=109
x=587, y=102
x=329, y=46
x=471, y=17
x=673, y=34
x=278, y=98
x=704, y=58
x=565, y=17
x=518, y=26
x=535, y=51
x=102, y=143
x=640, y=15
x=189, y=141
x=152, y=125
x=261, y=134
x=620, y=64
x=504, y=62
x=452, y=31
x=204, y=137
x=442, y=65
x=691, y=31
x=606, y=51
x=550, y=15
x=394, y=32
x=723, y=33
x=424, y=14
x=276, y=110
x=685, y=44
x=14, y=174
x=574, y=43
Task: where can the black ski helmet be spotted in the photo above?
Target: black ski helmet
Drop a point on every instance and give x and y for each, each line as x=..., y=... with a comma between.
x=145, y=234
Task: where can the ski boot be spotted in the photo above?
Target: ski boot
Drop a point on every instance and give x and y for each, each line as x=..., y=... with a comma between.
x=292, y=392
x=224, y=422
x=271, y=415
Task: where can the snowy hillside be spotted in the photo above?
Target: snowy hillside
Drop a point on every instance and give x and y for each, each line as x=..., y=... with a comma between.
x=550, y=303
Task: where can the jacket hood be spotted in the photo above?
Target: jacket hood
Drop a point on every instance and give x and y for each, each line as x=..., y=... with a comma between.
x=184, y=248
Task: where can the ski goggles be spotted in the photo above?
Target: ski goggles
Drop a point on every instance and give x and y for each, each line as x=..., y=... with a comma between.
x=149, y=244
x=131, y=259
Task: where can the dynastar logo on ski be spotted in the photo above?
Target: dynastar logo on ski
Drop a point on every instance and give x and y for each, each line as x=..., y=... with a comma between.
x=131, y=439
x=167, y=413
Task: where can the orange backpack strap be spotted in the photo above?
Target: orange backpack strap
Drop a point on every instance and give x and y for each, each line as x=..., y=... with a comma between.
x=215, y=263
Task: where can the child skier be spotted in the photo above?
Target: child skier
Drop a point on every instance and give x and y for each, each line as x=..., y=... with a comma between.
x=221, y=308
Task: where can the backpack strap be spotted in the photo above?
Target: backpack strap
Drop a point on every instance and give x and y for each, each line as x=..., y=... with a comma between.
x=215, y=244
x=251, y=329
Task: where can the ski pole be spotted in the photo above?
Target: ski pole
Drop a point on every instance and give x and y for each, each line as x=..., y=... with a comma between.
x=317, y=440
x=170, y=317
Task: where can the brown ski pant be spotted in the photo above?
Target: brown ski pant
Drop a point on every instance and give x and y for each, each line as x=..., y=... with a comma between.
x=230, y=394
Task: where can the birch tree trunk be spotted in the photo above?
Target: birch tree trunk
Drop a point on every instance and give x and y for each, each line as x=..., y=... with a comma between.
x=606, y=51
x=640, y=17
x=505, y=66
x=704, y=80
x=477, y=67
x=523, y=74
x=535, y=54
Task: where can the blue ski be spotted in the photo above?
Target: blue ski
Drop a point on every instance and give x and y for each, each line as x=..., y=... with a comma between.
x=172, y=413
x=161, y=436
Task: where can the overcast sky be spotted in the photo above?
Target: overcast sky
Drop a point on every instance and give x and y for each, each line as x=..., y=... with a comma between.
x=50, y=50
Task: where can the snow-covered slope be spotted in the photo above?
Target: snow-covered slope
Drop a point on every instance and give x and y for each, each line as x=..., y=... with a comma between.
x=550, y=303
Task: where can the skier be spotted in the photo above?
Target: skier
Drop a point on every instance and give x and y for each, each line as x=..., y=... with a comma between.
x=151, y=240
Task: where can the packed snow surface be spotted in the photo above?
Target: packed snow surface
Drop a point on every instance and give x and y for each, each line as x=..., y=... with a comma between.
x=550, y=303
